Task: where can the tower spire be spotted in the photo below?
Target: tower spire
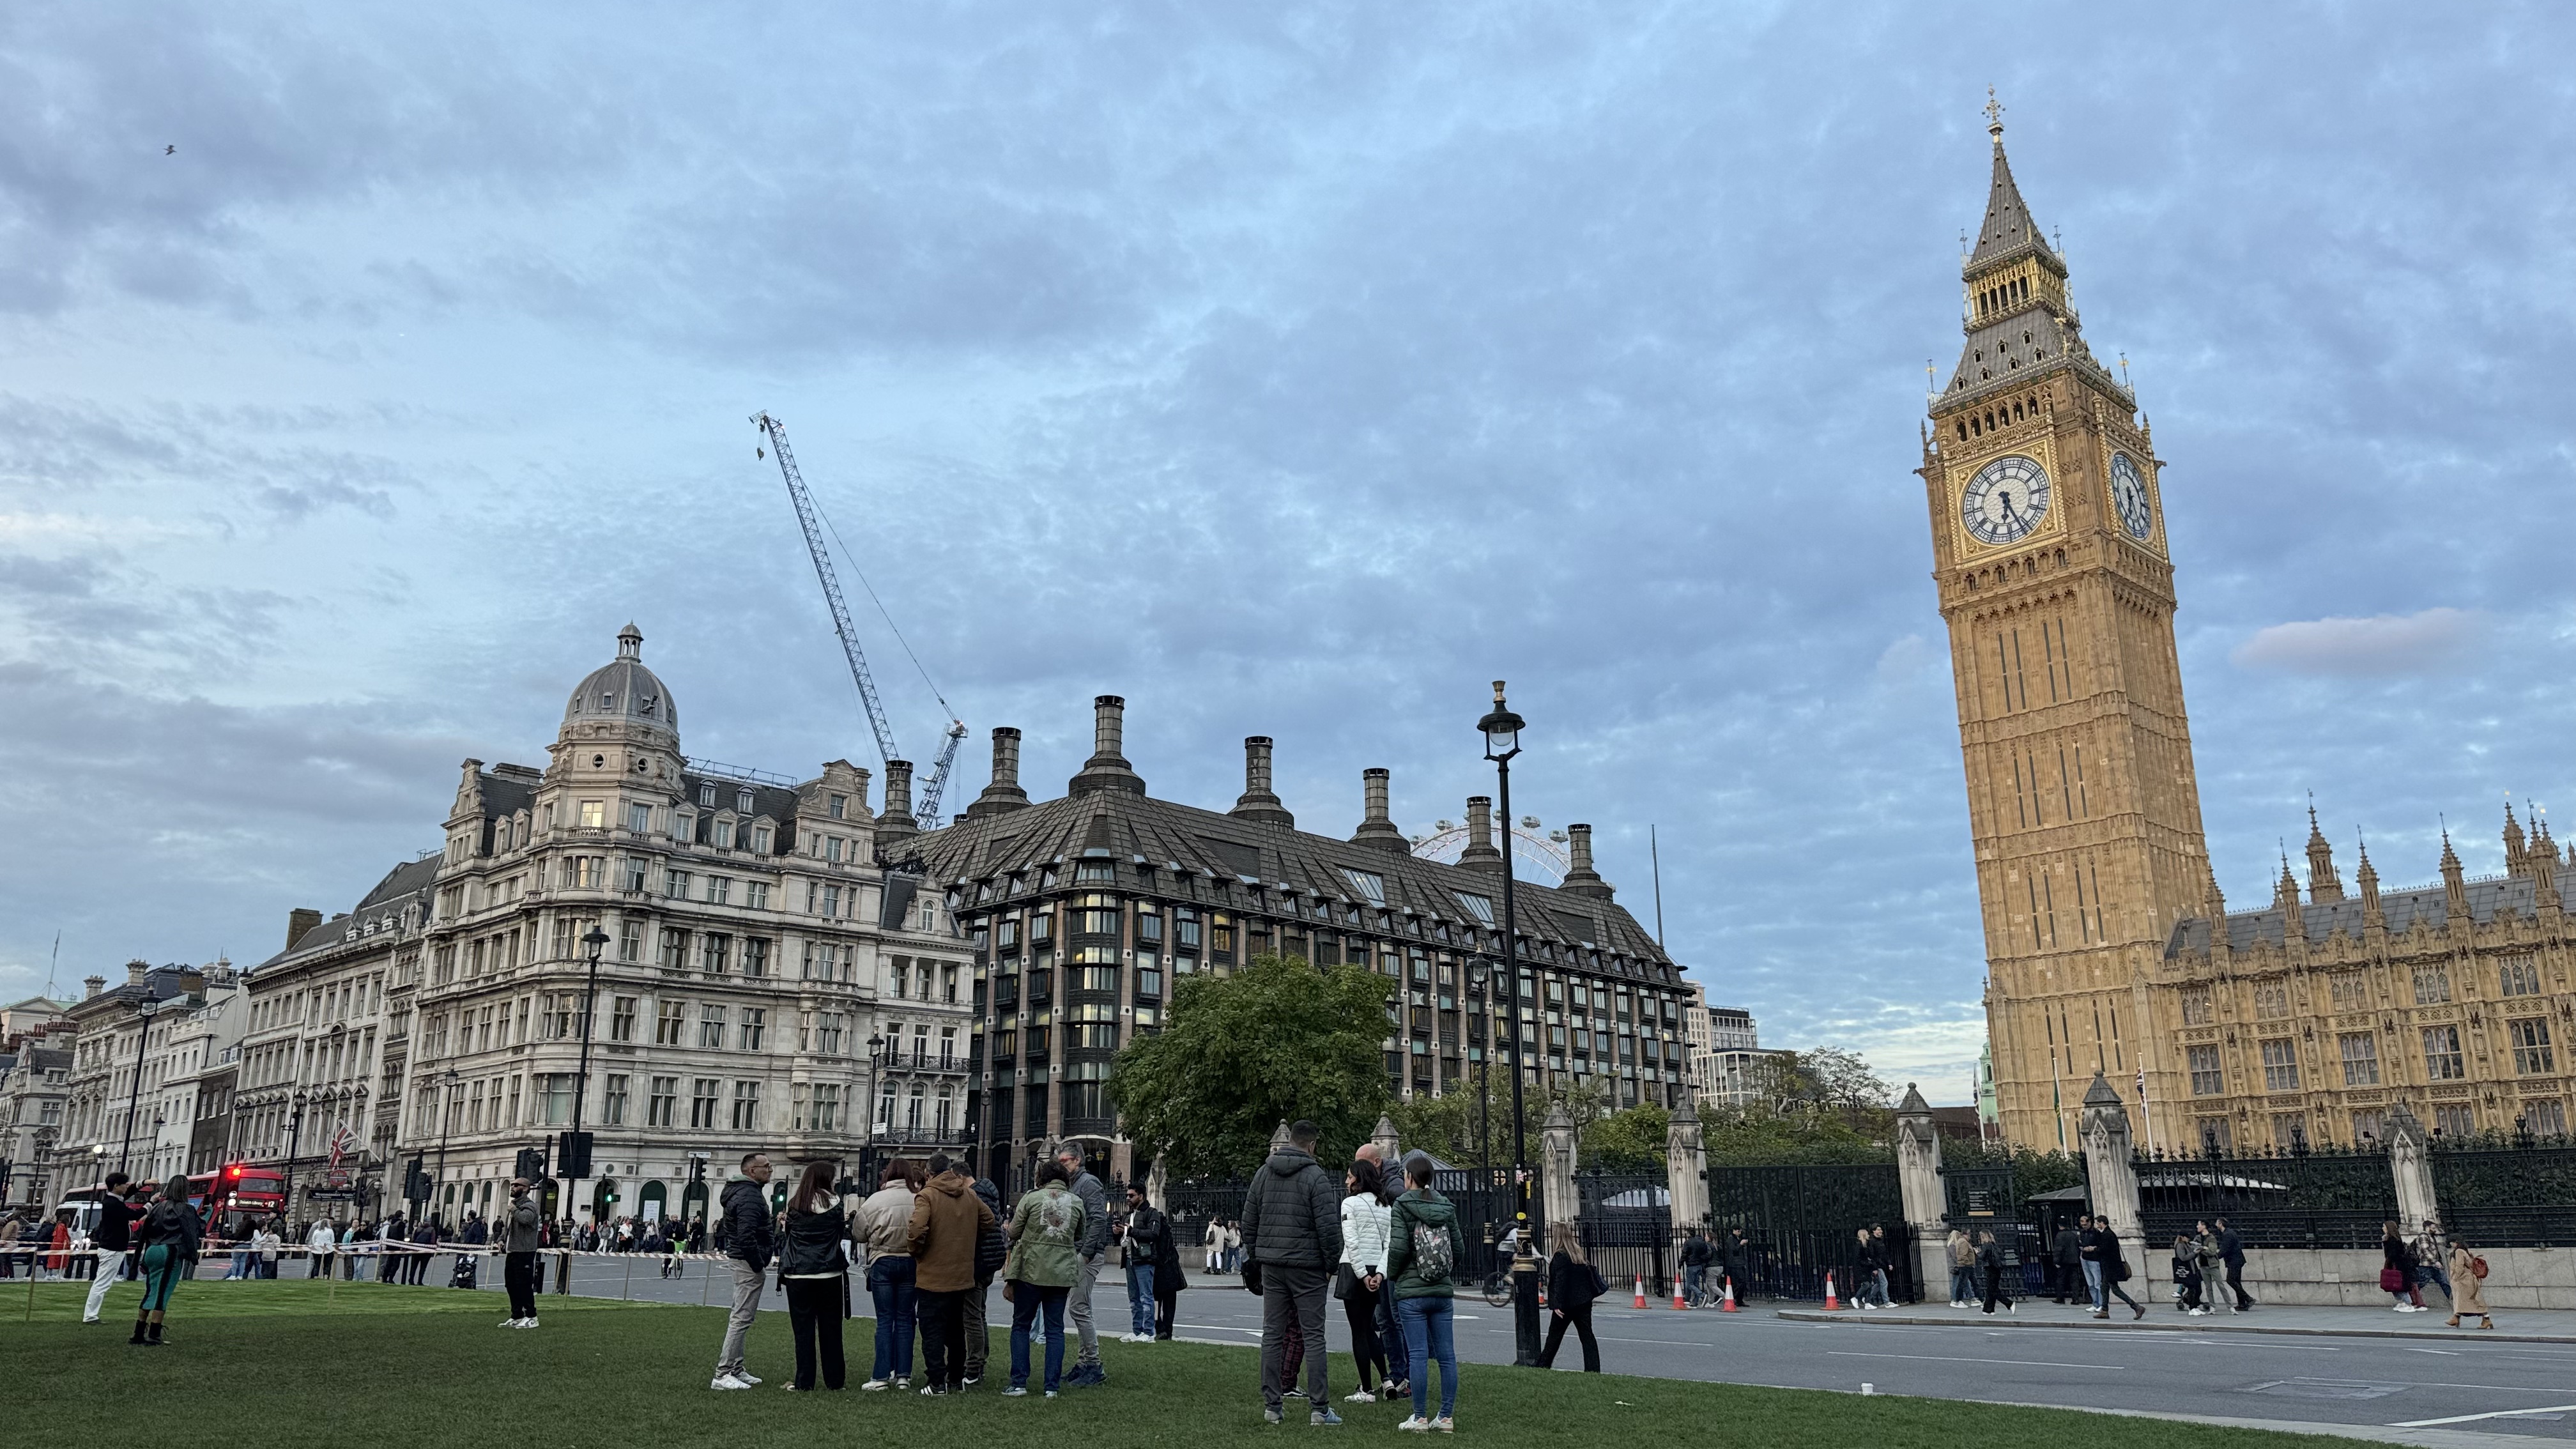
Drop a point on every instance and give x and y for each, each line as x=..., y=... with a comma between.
x=2325, y=883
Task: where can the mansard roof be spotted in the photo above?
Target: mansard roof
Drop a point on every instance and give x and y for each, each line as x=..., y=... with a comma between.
x=381, y=909
x=1140, y=833
x=2489, y=898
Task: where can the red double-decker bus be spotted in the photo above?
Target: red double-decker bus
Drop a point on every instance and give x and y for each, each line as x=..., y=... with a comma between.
x=229, y=1198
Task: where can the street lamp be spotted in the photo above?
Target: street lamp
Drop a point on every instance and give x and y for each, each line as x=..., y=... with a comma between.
x=596, y=940
x=294, y=1135
x=1502, y=731
x=446, y=1119
x=1479, y=971
x=868, y=1151
x=134, y=1103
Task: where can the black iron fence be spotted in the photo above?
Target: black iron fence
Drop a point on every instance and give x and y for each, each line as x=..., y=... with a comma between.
x=2507, y=1193
x=1800, y=1222
x=1625, y=1223
x=1193, y=1205
x=2322, y=1197
x=1486, y=1199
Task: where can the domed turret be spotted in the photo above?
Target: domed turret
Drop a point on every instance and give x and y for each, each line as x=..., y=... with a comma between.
x=623, y=691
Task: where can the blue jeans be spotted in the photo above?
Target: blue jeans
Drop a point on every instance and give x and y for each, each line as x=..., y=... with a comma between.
x=890, y=1288
x=2093, y=1284
x=1428, y=1340
x=1140, y=1298
x=2433, y=1273
x=1963, y=1285
x=1693, y=1275
x=1026, y=1300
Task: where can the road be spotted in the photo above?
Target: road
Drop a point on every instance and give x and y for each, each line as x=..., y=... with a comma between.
x=2524, y=1390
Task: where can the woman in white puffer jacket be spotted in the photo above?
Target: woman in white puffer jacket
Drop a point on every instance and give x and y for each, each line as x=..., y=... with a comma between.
x=1365, y=1220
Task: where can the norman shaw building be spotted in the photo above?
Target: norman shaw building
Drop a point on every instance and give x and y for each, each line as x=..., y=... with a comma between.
x=2108, y=945
x=1084, y=911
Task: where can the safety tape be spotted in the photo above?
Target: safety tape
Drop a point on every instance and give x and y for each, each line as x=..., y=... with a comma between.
x=224, y=1247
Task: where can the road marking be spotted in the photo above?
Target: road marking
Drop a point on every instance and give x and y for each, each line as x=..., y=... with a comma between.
x=2473, y=1418
x=1953, y=1358
x=2444, y=1352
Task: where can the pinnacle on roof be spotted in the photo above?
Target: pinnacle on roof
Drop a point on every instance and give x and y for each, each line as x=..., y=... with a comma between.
x=2007, y=227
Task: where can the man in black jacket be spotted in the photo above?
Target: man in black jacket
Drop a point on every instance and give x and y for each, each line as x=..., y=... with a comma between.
x=2231, y=1251
x=1735, y=1261
x=2065, y=1260
x=1292, y=1232
x=1696, y=1254
x=990, y=1250
x=113, y=1236
x=749, y=1243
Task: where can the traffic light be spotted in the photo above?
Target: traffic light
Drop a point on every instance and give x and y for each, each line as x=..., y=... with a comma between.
x=575, y=1154
x=697, y=1167
x=530, y=1164
x=415, y=1182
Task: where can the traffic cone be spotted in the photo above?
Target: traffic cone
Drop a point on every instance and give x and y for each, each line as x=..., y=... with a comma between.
x=1641, y=1290
x=1677, y=1292
x=1830, y=1304
x=1729, y=1305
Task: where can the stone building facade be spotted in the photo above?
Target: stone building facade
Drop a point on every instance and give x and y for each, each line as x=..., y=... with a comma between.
x=1083, y=911
x=35, y=1091
x=757, y=945
x=2108, y=945
x=124, y=1090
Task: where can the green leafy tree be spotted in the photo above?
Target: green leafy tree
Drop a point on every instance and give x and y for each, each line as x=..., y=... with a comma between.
x=1631, y=1140
x=1275, y=1041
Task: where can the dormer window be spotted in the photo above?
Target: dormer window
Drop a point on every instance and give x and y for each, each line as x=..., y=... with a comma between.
x=607, y=702
x=760, y=838
x=840, y=806
x=742, y=801
x=707, y=796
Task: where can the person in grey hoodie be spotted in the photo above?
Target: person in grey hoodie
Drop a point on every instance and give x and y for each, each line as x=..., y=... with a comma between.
x=1292, y=1233
x=519, y=1233
x=1094, y=1248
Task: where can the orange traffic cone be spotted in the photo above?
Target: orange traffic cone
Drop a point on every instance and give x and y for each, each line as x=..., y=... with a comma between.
x=1830, y=1304
x=1729, y=1305
x=1677, y=1292
x=1641, y=1290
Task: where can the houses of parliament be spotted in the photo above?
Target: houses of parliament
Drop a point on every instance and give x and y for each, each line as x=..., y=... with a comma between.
x=2109, y=947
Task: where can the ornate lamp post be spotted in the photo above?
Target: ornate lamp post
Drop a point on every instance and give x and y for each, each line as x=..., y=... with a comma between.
x=1502, y=731
x=595, y=941
x=294, y=1138
x=446, y=1117
x=868, y=1150
x=1479, y=971
x=134, y=1102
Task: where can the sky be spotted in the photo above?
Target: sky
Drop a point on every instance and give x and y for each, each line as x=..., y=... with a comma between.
x=1291, y=370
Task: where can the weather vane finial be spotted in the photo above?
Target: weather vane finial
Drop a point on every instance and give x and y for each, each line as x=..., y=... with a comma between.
x=1994, y=116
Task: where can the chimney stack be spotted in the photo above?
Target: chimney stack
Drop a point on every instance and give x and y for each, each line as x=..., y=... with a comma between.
x=1376, y=830
x=96, y=984
x=1583, y=880
x=134, y=970
x=299, y=921
x=1005, y=792
x=896, y=819
x=1107, y=769
x=1257, y=802
x=1480, y=853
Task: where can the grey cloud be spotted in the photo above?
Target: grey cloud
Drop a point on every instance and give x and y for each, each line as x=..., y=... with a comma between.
x=2434, y=641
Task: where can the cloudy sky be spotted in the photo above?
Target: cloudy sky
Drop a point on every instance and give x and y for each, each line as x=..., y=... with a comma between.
x=1291, y=370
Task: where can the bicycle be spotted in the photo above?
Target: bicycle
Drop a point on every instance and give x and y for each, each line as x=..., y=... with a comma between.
x=1498, y=1288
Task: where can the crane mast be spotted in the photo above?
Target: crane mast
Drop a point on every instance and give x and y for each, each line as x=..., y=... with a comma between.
x=841, y=625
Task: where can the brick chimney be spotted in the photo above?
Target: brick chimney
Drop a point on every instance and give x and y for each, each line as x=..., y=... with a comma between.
x=299, y=921
x=1376, y=830
x=1480, y=853
x=96, y=984
x=1005, y=792
x=1107, y=769
x=1257, y=802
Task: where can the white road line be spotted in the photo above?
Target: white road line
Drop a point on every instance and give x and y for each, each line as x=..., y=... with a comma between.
x=2444, y=1352
x=2473, y=1418
x=1952, y=1358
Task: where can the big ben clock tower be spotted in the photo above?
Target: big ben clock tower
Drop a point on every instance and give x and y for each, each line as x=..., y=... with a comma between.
x=2048, y=548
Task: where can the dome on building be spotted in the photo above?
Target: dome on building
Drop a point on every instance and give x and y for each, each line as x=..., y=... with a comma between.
x=623, y=690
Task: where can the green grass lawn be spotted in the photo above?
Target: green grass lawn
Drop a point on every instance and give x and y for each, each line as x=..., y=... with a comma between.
x=291, y=1363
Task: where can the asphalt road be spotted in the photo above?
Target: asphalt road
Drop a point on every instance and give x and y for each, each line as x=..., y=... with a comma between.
x=2460, y=1385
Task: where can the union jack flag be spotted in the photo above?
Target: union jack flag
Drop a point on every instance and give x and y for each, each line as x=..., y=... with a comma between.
x=342, y=1141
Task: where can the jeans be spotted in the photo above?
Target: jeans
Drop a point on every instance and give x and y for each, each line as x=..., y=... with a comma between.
x=2424, y=1273
x=1693, y=1275
x=1427, y=1337
x=1026, y=1301
x=1292, y=1302
x=979, y=1334
x=890, y=1288
x=1878, y=1286
x=2093, y=1285
x=1140, y=1299
x=814, y=1313
x=943, y=1337
x=747, y=1283
x=240, y=1267
x=1085, y=1278
x=519, y=1273
x=1963, y=1285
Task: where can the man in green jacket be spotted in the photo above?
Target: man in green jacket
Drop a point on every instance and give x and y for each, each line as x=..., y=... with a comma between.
x=1292, y=1233
x=1423, y=1251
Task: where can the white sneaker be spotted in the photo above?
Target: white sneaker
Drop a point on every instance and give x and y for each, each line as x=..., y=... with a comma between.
x=1416, y=1424
x=876, y=1386
x=531, y=1323
x=512, y=1322
x=746, y=1376
x=727, y=1381
x=1444, y=1425
x=1362, y=1397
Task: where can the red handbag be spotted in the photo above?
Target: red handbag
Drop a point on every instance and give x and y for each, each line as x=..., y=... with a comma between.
x=2392, y=1280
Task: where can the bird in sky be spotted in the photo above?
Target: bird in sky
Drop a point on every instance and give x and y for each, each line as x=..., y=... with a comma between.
x=169, y=150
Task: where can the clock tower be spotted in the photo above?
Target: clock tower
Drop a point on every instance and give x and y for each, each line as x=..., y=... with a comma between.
x=2048, y=546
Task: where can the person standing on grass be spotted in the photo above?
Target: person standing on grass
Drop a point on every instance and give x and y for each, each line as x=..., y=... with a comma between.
x=2469, y=1274
x=1044, y=1263
x=815, y=1274
x=1990, y=1263
x=1169, y=1280
x=1423, y=1251
x=1572, y=1285
x=1292, y=1232
x=168, y=1237
x=992, y=1245
x=2433, y=1260
x=750, y=1242
x=1147, y=1230
x=948, y=1224
x=1087, y=1370
x=1362, y=1274
x=114, y=1234
x=521, y=1232
x=884, y=1229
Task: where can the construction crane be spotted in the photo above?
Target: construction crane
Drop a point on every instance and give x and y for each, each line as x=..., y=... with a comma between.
x=808, y=520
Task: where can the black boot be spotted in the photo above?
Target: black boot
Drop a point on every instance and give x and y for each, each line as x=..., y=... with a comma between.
x=155, y=1339
x=139, y=1325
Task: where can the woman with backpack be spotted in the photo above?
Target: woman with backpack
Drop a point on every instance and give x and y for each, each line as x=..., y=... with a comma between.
x=1572, y=1284
x=1422, y=1255
x=2468, y=1285
x=168, y=1235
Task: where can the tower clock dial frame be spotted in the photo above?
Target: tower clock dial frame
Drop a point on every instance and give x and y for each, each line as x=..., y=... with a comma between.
x=2007, y=499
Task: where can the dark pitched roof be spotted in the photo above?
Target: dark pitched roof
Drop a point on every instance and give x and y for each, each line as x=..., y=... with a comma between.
x=2007, y=230
x=380, y=909
x=2489, y=897
x=1236, y=851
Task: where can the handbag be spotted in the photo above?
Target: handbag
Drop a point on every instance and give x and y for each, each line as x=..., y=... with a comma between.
x=2392, y=1280
x=1346, y=1281
x=2120, y=1271
x=2477, y=1265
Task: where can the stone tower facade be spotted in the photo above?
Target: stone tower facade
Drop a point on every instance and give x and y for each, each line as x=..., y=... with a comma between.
x=2049, y=554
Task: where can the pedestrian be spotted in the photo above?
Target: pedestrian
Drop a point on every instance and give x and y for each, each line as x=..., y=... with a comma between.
x=424, y=1242
x=2433, y=1260
x=992, y=1245
x=1087, y=1370
x=2066, y=1262
x=521, y=1233
x=1990, y=1263
x=1293, y=1234
x=948, y=1223
x=2212, y=1268
x=1572, y=1285
x=1169, y=1281
x=1696, y=1256
x=264, y=1243
x=1735, y=1259
x=348, y=1253
x=1044, y=1263
x=1423, y=1252
x=749, y=1244
x=1884, y=1255
x=1146, y=1230
x=2107, y=1268
x=1215, y=1240
x=1963, y=1270
x=2231, y=1252
x=389, y=1237
x=1233, y=1245
x=2469, y=1277
x=814, y=1272
x=2397, y=1270
x=58, y=1262
x=318, y=1243
x=114, y=1234
x=2186, y=1275
x=884, y=1231
x=168, y=1236
x=1361, y=1274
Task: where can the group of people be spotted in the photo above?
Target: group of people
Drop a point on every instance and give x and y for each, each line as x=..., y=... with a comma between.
x=145, y=1231
x=1224, y=1243
x=2408, y=1264
x=1733, y=1260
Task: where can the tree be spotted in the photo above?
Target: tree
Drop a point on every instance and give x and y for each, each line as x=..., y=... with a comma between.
x=1627, y=1141
x=1823, y=1080
x=1276, y=1041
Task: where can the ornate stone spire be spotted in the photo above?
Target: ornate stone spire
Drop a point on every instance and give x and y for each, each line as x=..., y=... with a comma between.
x=2324, y=883
x=2007, y=227
x=2455, y=890
x=2371, y=918
x=2516, y=860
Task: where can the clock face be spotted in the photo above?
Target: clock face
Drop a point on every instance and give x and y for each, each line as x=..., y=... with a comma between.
x=2129, y=496
x=2006, y=500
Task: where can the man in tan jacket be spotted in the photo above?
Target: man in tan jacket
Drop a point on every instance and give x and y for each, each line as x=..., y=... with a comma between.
x=948, y=1219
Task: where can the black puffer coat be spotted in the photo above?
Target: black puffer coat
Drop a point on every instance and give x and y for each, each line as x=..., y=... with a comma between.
x=1292, y=1214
